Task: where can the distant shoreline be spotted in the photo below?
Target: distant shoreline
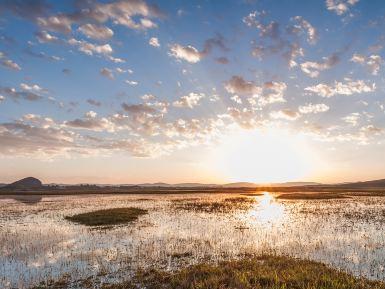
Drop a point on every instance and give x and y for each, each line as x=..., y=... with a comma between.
x=180, y=190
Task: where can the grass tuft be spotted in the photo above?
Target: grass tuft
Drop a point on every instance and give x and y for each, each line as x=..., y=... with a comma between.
x=266, y=272
x=223, y=206
x=107, y=217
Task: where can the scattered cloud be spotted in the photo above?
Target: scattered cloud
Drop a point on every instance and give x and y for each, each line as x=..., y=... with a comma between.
x=106, y=72
x=352, y=118
x=188, y=53
x=98, y=32
x=8, y=63
x=45, y=37
x=313, y=108
x=286, y=114
x=238, y=85
x=94, y=102
x=193, y=55
x=348, y=87
x=190, y=100
x=372, y=62
x=260, y=95
x=91, y=122
x=154, y=42
x=23, y=94
x=340, y=7
x=89, y=48
x=303, y=25
x=313, y=69
x=131, y=82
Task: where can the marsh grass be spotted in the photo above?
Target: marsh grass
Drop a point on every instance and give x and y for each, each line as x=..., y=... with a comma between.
x=252, y=194
x=311, y=196
x=265, y=272
x=367, y=194
x=226, y=205
x=107, y=217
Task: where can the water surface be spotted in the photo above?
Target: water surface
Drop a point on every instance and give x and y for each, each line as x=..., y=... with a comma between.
x=36, y=243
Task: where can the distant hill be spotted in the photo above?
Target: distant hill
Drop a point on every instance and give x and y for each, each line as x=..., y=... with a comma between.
x=295, y=184
x=240, y=185
x=25, y=184
x=366, y=184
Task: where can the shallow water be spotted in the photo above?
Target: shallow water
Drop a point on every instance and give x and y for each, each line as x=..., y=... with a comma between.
x=37, y=244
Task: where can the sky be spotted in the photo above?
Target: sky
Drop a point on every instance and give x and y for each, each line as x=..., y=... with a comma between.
x=123, y=92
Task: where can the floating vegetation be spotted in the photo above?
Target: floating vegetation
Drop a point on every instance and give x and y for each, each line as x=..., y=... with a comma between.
x=311, y=196
x=108, y=217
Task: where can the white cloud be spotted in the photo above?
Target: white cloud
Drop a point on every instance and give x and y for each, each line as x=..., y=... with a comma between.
x=304, y=25
x=340, y=6
x=121, y=70
x=98, y=32
x=348, y=87
x=352, y=118
x=59, y=23
x=273, y=92
x=236, y=99
x=313, y=108
x=8, y=63
x=131, y=82
x=269, y=92
x=313, y=69
x=132, y=14
x=287, y=114
x=107, y=73
x=32, y=87
x=115, y=59
x=190, y=100
x=89, y=48
x=238, y=85
x=147, y=97
x=92, y=122
x=187, y=53
x=372, y=62
x=45, y=37
x=154, y=42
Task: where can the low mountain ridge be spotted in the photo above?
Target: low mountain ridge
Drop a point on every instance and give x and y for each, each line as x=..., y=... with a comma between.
x=26, y=183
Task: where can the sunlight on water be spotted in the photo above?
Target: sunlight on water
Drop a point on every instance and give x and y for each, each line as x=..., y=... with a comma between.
x=267, y=210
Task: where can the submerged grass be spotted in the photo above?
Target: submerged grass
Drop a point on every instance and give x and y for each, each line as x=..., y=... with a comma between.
x=223, y=206
x=311, y=196
x=265, y=272
x=107, y=217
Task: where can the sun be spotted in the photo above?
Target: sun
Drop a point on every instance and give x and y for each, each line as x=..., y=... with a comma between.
x=263, y=156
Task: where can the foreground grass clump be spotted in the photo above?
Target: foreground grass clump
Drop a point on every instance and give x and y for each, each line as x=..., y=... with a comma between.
x=311, y=196
x=107, y=217
x=266, y=272
x=223, y=206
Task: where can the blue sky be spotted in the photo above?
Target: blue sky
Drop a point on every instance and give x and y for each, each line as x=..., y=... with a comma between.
x=180, y=91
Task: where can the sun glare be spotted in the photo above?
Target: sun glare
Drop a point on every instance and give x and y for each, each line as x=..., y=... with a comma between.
x=267, y=211
x=264, y=156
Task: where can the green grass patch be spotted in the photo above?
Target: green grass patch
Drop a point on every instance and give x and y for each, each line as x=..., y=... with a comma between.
x=266, y=272
x=108, y=217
